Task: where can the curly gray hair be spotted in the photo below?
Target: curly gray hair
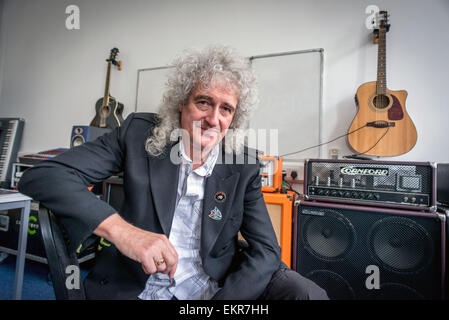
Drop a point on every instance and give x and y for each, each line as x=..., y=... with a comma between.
x=202, y=68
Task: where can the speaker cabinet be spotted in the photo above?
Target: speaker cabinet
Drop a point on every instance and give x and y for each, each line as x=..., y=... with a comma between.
x=82, y=134
x=368, y=253
x=280, y=208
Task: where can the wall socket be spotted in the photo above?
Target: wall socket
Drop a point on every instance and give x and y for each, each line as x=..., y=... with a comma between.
x=298, y=167
x=333, y=153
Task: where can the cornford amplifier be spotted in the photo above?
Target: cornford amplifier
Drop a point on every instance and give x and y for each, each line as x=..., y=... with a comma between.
x=394, y=184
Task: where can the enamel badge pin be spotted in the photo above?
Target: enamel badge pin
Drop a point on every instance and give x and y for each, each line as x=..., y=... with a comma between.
x=220, y=197
x=215, y=214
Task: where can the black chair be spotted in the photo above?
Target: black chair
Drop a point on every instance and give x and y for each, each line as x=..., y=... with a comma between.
x=58, y=257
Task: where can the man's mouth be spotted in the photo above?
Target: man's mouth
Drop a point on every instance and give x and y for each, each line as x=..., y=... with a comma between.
x=210, y=131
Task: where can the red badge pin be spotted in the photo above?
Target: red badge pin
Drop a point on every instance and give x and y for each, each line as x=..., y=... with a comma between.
x=220, y=197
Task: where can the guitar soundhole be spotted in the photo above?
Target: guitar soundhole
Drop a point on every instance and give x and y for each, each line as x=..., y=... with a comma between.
x=105, y=110
x=381, y=101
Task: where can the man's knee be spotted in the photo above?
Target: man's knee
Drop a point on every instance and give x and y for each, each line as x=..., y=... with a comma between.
x=287, y=284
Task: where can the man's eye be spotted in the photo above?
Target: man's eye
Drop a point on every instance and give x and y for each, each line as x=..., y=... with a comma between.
x=227, y=109
x=202, y=104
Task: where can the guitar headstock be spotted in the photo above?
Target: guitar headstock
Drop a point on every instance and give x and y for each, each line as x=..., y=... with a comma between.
x=382, y=23
x=382, y=20
x=112, y=58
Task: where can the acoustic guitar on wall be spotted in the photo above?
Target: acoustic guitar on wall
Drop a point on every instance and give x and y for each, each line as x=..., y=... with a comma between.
x=381, y=126
x=108, y=109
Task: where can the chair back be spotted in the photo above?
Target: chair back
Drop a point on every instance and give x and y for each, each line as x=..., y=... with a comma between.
x=58, y=257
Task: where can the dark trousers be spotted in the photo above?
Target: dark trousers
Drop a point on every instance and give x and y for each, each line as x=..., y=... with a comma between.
x=286, y=284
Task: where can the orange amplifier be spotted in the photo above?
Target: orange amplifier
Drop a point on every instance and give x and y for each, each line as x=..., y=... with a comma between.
x=271, y=172
x=280, y=208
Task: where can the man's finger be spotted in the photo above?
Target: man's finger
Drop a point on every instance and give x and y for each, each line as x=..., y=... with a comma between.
x=173, y=271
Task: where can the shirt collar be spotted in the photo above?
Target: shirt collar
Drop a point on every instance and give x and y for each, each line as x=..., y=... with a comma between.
x=204, y=170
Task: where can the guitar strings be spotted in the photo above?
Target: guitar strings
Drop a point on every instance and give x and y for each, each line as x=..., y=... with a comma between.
x=319, y=145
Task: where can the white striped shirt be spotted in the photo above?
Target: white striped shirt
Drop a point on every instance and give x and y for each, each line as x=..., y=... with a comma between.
x=190, y=281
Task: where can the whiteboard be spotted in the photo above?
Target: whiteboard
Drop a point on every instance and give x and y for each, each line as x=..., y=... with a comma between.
x=150, y=87
x=290, y=106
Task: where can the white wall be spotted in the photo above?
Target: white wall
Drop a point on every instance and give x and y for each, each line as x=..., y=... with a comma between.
x=52, y=77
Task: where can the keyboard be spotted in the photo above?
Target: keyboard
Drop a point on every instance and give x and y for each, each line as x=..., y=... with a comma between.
x=11, y=130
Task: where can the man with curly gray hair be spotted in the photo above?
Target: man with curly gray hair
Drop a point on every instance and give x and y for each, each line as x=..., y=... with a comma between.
x=215, y=64
x=176, y=234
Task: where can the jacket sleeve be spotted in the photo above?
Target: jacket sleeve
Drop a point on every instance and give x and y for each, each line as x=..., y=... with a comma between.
x=262, y=257
x=61, y=183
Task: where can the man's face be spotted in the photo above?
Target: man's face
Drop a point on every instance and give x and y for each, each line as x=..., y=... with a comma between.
x=208, y=114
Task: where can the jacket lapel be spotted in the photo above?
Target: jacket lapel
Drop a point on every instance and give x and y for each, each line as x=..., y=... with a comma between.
x=224, y=181
x=164, y=175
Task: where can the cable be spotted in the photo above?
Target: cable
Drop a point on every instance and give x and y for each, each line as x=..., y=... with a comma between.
x=385, y=133
x=319, y=145
x=289, y=187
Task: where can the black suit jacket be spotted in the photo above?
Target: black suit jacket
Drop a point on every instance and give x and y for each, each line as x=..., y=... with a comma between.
x=150, y=186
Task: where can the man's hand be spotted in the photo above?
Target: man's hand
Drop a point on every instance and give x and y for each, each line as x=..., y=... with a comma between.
x=153, y=250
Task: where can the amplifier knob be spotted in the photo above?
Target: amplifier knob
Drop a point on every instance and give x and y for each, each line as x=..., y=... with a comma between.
x=347, y=194
x=326, y=193
x=320, y=191
x=413, y=199
x=377, y=196
x=370, y=196
x=334, y=193
x=405, y=199
x=354, y=194
x=362, y=195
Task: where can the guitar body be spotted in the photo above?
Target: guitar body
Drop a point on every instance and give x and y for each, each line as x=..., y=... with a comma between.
x=399, y=139
x=112, y=114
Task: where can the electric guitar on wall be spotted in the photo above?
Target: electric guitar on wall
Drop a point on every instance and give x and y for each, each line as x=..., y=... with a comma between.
x=381, y=126
x=108, y=109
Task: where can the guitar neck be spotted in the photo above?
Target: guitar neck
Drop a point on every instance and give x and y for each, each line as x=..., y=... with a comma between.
x=381, y=63
x=106, y=89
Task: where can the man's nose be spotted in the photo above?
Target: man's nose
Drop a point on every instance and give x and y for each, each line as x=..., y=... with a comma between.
x=213, y=117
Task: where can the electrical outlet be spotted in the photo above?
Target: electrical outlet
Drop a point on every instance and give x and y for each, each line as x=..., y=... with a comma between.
x=333, y=153
x=294, y=166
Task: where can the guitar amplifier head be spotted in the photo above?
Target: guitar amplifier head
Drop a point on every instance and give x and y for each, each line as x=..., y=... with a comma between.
x=271, y=172
x=392, y=184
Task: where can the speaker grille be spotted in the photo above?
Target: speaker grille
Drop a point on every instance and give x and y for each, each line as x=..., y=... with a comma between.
x=330, y=237
x=400, y=244
x=396, y=291
x=337, y=286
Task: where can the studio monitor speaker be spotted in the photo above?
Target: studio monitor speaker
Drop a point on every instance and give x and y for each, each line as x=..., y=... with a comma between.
x=368, y=253
x=82, y=134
